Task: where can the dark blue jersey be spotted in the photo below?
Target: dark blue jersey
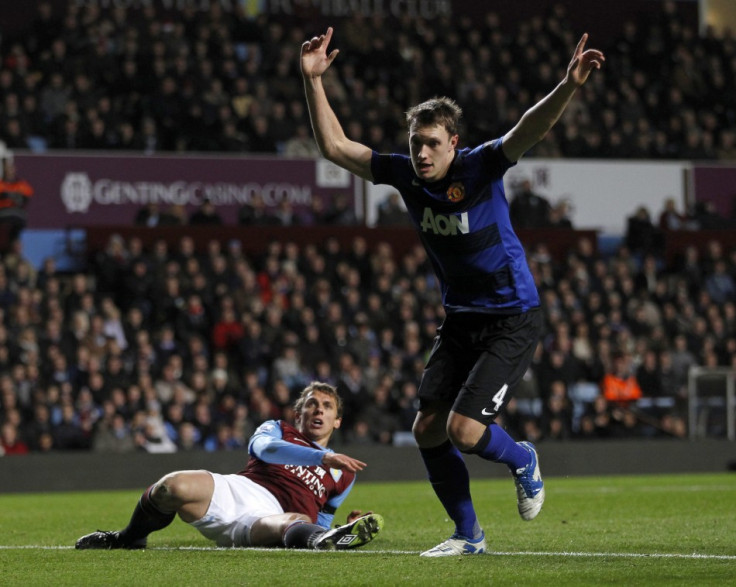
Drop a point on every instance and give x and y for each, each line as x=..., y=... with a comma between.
x=463, y=222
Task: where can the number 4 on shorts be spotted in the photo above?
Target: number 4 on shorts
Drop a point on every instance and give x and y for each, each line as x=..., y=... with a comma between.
x=497, y=400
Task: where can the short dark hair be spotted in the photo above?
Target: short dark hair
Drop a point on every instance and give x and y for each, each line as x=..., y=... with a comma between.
x=438, y=110
x=324, y=388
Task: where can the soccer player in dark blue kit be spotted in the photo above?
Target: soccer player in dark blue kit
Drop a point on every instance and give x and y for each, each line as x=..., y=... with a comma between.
x=455, y=198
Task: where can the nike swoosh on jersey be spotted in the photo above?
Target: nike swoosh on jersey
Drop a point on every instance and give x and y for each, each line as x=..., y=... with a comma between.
x=483, y=411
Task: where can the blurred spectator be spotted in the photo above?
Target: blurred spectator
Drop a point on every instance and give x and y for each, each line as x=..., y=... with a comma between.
x=205, y=215
x=380, y=415
x=14, y=195
x=10, y=443
x=69, y=434
x=175, y=215
x=619, y=385
x=227, y=332
x=284, y=214
x=341, y=212
x=726, y=150
x=641, y=234
x=720, y=284
x=222, y=439
x=671, y=219
x=151, y=435
x=148, y=215
x=301, y=144
x=113, y=435
x=557, y=416
x=707, y=217
x=391, y=212
x=649, y=376
x=527, y=208
x=255, y=213
x=559, y=215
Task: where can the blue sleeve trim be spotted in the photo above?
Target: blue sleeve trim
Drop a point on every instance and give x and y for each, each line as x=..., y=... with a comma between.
x=325, y=520
x=336, y=500
x=268, y=445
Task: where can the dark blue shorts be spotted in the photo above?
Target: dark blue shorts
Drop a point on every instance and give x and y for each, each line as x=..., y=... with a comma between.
x=477, y=361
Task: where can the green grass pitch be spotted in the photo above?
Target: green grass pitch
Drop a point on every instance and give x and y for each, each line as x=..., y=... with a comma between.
x=643, y=530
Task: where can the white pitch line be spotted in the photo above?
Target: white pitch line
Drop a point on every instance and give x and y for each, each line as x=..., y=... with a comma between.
x=665, y=555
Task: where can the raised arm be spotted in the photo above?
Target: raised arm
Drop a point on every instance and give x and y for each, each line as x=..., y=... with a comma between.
x=330, y=136
x=268, y=445
x=540, y=118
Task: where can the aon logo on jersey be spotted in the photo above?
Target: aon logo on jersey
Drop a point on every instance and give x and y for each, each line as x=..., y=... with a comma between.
x=445, y=225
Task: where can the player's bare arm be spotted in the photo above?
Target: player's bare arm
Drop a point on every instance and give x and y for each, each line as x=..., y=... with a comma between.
x=335, y=460
x=329, y=134
x=541, y=117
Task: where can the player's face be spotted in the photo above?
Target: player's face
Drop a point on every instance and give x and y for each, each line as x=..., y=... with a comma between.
x=318, y=418
x=432, y=150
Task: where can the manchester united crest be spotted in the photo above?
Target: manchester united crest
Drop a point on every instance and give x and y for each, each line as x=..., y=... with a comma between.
x=456, y=192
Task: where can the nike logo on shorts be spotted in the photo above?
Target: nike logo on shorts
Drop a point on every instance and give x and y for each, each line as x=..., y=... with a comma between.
x=497, y=400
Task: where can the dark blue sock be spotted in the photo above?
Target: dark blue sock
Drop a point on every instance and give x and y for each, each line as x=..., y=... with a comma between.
x=497, y=446
x=451, y=482
x=301, y=534
x=146, y=518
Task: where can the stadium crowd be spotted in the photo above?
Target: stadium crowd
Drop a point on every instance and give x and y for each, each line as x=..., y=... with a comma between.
x=165, y=349
x=220, y=81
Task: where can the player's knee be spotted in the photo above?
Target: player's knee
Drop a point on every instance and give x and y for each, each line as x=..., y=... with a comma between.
x=170, y=491
x=464, y=437
x=463, y=442
x=418, y=429
x=424, y=433
x=429, y=429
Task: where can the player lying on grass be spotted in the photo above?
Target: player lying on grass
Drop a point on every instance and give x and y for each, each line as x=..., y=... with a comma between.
x=456, y=201
x=286, y=495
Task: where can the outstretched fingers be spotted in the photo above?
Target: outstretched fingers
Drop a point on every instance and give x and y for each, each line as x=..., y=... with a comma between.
x=581, y=45
x=326, y=39
x=593, y=58
x=584, y=61
x=591, y=55
x=327, y=36
x=342, y=461
x=314, y=57
x=320, y=42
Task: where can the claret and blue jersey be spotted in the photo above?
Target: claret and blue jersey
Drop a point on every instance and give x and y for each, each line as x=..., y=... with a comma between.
x=288, y=464
x=463, y=222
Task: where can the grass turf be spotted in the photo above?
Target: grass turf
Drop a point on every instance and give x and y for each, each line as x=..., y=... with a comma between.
x=644, y=530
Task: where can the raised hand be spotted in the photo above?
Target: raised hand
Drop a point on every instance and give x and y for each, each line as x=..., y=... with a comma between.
x=583, y=62
x=336, y=460
x=314, y=57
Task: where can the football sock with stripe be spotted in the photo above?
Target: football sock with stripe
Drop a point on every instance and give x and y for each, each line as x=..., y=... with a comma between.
x=146, y=518
x=497, y=446
x=451, y=482
x=301, y=534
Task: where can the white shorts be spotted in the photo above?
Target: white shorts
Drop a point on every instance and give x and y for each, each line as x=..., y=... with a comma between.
x=237, y=503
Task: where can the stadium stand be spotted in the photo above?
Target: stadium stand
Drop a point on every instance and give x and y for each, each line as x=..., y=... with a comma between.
x=85, y=78
x=163, y=347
